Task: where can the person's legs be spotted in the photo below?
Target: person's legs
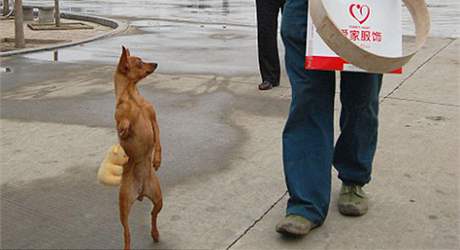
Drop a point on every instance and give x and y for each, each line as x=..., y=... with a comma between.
x=267, y=29
x=355, y=148
x=308, y=134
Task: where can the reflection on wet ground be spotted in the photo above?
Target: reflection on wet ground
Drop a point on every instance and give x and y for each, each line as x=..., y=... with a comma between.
x=445, y=13
x=199, y=36
x=445, y=18
x=190, y=47
x=235, y=11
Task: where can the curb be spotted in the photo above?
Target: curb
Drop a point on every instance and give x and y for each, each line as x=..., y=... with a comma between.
x=114, y=24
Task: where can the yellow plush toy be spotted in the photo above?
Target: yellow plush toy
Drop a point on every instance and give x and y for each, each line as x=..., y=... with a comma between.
x=111, y=168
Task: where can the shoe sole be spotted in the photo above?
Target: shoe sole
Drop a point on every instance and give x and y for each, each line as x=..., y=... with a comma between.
x=350, y=210
x=272, y=86
x=265, y=89
x=290, y=232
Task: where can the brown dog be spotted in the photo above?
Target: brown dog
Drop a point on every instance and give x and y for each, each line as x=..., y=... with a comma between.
x=139, y=136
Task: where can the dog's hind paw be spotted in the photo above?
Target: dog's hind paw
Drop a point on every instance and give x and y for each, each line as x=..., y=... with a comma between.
x=155, y=236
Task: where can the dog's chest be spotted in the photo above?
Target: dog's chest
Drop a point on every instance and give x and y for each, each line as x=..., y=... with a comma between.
x=143, y=126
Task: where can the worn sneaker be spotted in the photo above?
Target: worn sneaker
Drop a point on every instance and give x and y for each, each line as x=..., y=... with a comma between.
x=294, y=225
x=352, y=200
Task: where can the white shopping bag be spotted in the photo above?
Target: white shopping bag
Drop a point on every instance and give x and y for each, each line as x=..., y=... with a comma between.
x=374, y=25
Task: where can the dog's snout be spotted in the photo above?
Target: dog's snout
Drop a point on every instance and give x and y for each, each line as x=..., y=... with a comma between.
x=152, y=67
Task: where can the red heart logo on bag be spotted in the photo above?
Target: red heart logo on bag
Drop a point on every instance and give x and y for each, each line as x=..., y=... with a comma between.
x=360, y=12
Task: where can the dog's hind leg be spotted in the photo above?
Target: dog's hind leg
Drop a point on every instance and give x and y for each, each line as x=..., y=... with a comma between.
x=126, y=200
x=153, y=192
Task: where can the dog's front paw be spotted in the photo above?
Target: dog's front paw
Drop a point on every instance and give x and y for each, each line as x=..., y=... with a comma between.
x=156, y=164
x=123, y=129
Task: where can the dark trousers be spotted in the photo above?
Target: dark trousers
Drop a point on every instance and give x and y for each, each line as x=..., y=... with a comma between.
x=267, y=30
x=308, y=137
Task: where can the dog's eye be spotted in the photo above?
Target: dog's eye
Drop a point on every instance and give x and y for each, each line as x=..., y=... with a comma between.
x=140, y=64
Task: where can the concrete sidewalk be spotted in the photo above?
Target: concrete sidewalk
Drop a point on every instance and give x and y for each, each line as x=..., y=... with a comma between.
x=222, y=174
x=415, y=187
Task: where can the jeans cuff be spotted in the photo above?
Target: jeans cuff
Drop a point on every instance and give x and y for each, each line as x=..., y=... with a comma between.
x=302, y=211
x=348, y=182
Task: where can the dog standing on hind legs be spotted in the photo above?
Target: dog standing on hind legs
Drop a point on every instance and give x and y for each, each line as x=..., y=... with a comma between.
x=139, y=136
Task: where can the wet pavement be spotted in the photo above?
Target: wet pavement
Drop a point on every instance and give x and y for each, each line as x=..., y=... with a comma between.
x=222, y=171
x=56, y=129
x=445, y=18
x=200, y=36
x=178, y=47
x=445, y=13
x=64, y=109
x=216, y=37
x=204, y=11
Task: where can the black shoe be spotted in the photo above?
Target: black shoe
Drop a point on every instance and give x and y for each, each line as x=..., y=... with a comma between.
x=266, y=85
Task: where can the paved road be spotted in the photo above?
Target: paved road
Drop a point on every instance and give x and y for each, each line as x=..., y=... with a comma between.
x=196, y=36
x=445, y=13
x=221, y=175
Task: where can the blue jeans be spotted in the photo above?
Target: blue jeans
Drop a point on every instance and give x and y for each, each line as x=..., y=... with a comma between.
x=308, y=137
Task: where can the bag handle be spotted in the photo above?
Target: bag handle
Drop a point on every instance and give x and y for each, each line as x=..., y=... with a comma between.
x=362, y=58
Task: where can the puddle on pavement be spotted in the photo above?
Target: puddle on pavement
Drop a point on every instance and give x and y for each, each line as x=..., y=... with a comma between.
x=188, y=43
x=73, y=55
x=178, y=47
x=200, y=10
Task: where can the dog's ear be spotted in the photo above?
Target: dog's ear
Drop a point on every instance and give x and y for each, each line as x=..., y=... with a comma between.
x=123, y=63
